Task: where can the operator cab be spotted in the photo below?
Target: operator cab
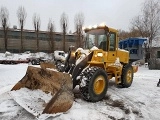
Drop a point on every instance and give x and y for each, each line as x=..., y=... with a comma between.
x=102, y=38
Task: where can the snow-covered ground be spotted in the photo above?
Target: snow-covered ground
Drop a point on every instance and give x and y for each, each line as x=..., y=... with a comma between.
x=141, y=101
x=24, y=56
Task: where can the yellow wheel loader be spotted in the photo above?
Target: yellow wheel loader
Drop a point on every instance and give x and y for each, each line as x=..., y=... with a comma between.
x=100, y=61
x=90, y=68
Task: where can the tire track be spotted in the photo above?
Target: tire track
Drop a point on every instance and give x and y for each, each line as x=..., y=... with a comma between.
x=137, y=107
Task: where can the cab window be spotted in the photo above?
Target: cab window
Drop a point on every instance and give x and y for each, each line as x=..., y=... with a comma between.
x=112, y=39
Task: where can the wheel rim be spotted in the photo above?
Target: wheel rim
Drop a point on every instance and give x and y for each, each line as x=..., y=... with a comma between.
x=129, y=76
x=99, y=84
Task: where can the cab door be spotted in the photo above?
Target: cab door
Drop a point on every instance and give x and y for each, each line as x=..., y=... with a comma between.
x=112, y=47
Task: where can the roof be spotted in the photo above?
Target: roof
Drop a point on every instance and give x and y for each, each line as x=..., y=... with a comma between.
x=101, y=26
x=137, y=40
x=26, y=30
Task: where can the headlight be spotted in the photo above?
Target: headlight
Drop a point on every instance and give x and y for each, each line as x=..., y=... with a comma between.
x=99, y=54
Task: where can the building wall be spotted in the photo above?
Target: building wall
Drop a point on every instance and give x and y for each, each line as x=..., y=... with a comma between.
x=154, y=61
x=153, y=53
x=29, y=41
x=1, y=44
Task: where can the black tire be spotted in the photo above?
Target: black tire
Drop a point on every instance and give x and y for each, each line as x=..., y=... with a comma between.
x=127, y=76
x=91, y=77
x=33, y=62
x=12, y=62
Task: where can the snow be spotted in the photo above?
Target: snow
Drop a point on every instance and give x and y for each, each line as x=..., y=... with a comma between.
x=23, y=56
x=38, y=97
x=116, y=63
x=84, y=53
x=141, y=101
x=10, y=74
x=123, y=50
x=94, y=48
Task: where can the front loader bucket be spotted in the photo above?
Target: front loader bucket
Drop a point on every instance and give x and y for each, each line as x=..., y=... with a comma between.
x=43, y=91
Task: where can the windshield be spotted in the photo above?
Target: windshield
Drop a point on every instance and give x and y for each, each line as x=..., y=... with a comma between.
x=101, y=39
x=96, y=38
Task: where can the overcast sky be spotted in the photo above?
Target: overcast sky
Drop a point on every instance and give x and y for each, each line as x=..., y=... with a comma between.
x=115, y=13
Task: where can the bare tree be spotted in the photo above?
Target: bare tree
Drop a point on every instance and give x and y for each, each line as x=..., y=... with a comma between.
x=21, y=14
x=133, y=32
x=148, y=23
x=64, y=26
x=79, y=22
x=36, y=24
x=51, y=30
x=4, y=17
x=123, y=34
